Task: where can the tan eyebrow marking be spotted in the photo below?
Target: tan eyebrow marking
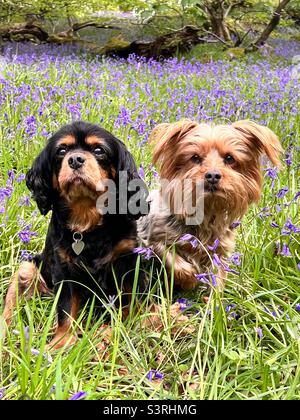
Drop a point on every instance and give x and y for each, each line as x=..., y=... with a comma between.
x=67, y=140
x=93, y=140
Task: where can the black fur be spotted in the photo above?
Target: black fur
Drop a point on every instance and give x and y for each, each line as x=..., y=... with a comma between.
x=92, y=271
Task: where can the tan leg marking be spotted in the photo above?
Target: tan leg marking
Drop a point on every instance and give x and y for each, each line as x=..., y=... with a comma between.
x=64, y=334
x=24, y=282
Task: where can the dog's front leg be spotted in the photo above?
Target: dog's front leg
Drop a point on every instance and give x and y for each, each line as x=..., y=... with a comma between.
x=23, y=283
x=67, y=310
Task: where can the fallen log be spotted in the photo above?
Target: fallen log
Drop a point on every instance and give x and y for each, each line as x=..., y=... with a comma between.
x=167, y=45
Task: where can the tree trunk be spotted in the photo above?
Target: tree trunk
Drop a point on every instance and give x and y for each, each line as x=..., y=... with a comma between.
x=219, y=28
x=217, y=14
x=272, y=24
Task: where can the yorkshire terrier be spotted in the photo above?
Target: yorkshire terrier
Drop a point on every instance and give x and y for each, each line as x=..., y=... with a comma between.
x=225, y=161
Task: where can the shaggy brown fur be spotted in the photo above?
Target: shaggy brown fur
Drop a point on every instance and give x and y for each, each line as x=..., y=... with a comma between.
x=187, y=150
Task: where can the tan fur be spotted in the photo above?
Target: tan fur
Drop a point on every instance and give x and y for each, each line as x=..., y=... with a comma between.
x=123, y=247
x=63, y=334
x=79, y=188
x=66, y=141
x=175, y=145
x=84, y=215
x=24, y=282
x=65, y=257
x=93, y=141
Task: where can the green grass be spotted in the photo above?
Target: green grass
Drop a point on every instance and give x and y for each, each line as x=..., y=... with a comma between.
x=211, y=355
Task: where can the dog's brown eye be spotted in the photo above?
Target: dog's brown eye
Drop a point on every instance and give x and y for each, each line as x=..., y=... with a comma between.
x=99, y=151
x=229, y=160
x=61, y=152
x=197, y=159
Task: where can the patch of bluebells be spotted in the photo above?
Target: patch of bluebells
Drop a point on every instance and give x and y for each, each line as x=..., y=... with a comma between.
x=199, y=91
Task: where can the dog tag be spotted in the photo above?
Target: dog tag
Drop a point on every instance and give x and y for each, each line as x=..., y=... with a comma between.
x=78, y=245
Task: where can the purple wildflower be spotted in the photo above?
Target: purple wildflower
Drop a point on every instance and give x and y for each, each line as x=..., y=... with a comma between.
x=214, y=246
x=24, y=201
x=26, y=235
x=78, y=396
x=236, y=258
x=235, y=224
x=194, y=243
x=259, y=332
x=21, y=178
x=2, y=393
x=282, y=192
x=189, y=238
x=274, y=225
x=285, y=251
x=184, y=303
x=142, y=172
x=297, y=307
x=186, y=237
x=25, y=255
x=216, y=261
x=155, y=374
x=229, y=307
x=147, y=253
x=271, y=173
x=230, y=270
x=206, y=277
x=291, y=227
x=298, y=266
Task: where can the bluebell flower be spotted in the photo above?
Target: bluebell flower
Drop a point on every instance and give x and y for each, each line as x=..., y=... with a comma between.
x=78, y=396
x=214, y=246
x=282, y=192
x=235, y=224
x=285, y=250
x=154, y=374
x=147, y=253
x=259, y=332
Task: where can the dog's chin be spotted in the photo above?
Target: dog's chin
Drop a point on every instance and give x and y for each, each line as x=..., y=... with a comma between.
x=213, y=191
x=217, y=197
x=78, y=187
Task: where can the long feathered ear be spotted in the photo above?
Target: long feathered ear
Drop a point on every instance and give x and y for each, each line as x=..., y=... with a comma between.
x=165, y=136
x=39, y=182
x=261, y=138
x=136, y=189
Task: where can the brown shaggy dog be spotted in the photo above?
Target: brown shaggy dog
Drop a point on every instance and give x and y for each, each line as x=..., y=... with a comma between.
x=225, y=160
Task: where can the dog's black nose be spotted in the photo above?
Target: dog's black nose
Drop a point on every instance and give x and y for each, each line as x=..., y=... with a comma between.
x=213, y=177
x=75, y=162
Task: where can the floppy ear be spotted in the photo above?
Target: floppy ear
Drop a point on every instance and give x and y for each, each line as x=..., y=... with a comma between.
x=166, y=136
x=39, y=182
x=127, y=164
x=262, y=138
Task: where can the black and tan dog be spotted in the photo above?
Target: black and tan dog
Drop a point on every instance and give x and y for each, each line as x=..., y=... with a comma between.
x=86, y=251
